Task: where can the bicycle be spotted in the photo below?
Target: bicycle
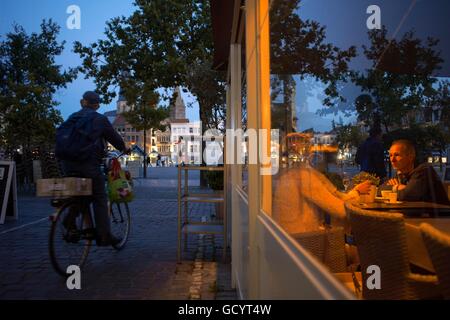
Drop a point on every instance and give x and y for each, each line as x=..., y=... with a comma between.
x=73, y=230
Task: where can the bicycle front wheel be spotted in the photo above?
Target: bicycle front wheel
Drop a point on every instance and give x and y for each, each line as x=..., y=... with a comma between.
x=71, y=236
x=120, y=223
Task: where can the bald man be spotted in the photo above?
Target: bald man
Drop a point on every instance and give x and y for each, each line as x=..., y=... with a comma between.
x=414, y=183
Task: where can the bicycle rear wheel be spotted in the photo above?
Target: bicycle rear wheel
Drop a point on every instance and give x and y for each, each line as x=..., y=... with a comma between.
x=120, y=223
x=71, y=236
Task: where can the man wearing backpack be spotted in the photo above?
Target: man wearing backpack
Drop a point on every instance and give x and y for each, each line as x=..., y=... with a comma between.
x=80, y=145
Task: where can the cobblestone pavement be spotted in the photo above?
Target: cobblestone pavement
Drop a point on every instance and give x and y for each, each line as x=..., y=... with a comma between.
x=145, y=269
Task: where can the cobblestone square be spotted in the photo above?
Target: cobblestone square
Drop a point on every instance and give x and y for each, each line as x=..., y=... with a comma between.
x=145, y=269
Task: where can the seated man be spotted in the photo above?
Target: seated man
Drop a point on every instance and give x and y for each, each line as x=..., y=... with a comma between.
x=414, y=183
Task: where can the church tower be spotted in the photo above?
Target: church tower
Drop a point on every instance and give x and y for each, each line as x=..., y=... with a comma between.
x=178, y=110
x=122, y=104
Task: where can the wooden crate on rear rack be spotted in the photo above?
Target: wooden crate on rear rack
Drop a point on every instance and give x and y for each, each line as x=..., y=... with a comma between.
x=64, y=187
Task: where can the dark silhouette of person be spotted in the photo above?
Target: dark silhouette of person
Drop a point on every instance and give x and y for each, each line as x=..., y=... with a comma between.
x=158, y=161
x=370, y=154
x=91, y=168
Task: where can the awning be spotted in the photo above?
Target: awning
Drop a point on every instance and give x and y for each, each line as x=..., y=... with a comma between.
x=222, y=21
x=137, y=149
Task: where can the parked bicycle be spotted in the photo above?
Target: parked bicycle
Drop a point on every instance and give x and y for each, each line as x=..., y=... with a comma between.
x=73, y=230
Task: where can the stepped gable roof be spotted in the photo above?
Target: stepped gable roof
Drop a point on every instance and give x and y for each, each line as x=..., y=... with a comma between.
x=119, y=121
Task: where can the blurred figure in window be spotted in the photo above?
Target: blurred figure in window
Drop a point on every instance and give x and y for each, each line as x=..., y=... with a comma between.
x=302, y=195
x=370, y=154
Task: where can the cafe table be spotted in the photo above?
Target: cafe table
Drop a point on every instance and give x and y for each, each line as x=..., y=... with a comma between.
x=437, y=215
x=408, y=208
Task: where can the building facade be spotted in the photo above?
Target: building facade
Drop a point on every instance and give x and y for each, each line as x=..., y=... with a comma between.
x=160, y=144
x=187, y=142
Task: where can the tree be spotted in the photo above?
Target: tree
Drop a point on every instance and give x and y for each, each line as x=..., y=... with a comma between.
x=400, y=81
x=146, y=115
x=442, y=101
x=348, y=136
x=208, y=86
x=29, y=77
x=298, y=47
x=164, y=44
x=161, y=52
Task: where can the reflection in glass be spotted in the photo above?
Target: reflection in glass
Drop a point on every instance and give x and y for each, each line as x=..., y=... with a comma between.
x=333, y=79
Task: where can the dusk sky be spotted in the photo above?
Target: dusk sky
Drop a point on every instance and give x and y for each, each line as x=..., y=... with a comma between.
x=94, y=14
x=345, y=23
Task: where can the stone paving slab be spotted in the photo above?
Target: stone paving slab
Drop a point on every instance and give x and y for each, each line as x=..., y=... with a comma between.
x=145, y=269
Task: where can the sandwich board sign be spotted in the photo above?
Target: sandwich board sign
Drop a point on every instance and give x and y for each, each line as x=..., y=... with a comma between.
x=8, y=191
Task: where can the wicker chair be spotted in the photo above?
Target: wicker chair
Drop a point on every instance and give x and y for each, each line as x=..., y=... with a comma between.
x=327, y=244
x=381, y=240
x=438, y=246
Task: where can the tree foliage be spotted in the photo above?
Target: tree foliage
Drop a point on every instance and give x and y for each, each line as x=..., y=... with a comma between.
x=400, y=80
x=299, y=47
x=348, y=135
x=163, y=44
x=208, y=86
x=29, y=79
x=442, y=100
x=146, y=114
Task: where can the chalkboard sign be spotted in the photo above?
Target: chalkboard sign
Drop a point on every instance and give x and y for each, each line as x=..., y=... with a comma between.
x=8, y=191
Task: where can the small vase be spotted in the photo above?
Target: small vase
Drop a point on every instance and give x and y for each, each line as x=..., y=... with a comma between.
x=370, y=197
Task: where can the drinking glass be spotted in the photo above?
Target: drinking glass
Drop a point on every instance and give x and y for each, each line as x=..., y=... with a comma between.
x=346, y=181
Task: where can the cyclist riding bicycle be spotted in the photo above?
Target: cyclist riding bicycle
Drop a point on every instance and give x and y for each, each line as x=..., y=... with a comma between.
x=80, y=145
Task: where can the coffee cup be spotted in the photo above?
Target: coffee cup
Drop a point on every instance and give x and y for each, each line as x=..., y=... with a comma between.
x=385, y=194
x=392, y=197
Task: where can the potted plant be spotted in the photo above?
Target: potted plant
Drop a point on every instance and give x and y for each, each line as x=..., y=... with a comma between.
x=215, y=180
x=374, y=180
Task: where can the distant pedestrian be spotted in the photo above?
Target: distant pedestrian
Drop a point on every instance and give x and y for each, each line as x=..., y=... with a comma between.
x=370, y=154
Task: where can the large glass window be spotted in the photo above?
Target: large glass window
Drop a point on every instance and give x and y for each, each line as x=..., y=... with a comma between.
x=361, y=98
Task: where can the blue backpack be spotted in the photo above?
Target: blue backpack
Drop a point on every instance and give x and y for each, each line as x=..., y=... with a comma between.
x=74, y=141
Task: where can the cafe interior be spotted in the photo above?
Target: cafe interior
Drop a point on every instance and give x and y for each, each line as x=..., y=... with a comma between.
x=339, y=78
